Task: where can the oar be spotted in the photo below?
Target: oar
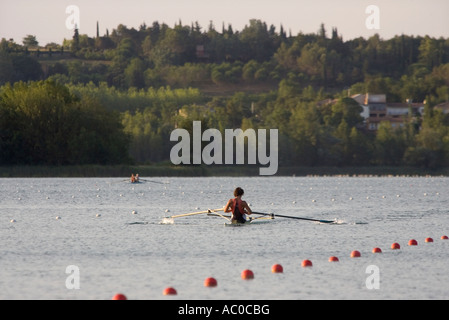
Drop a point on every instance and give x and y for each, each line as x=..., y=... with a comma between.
x=194, y=213
x=290, y=217
x=222, y=216
x=119, y=181
x=152, y=181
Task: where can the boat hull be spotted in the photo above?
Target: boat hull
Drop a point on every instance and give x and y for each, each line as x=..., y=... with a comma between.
x=248, y=223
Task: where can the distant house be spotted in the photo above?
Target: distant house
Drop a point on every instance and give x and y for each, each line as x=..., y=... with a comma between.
x=443, y=107
x=360, y=99
x=201, y=52
x=376, y=109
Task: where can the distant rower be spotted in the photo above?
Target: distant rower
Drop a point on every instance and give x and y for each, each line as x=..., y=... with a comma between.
x=134, y=178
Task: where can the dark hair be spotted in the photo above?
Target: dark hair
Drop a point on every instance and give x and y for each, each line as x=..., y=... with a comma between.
x=238, y=192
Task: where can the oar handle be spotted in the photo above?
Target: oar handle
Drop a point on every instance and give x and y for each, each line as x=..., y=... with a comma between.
x=266, y=214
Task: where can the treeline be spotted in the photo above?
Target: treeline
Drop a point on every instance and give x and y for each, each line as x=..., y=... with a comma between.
x=43, y=123
x=180, y=56
x=120, y=96
x=53, y=124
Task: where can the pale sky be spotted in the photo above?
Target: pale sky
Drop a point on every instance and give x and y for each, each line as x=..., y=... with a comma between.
x=46, y=19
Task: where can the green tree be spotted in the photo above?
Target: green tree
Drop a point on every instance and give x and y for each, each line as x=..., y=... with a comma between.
x=431, y=52
x=431, y=147
x=134, y=74
x=6, y=68
x=257, y=41
x=347, y=110
x=30, y=41
x=43, y=123
x=390, y=145
x=75, y=41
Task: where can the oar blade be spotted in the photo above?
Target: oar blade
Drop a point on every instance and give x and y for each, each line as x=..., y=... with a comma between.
x=326, y=221
x=167, y=220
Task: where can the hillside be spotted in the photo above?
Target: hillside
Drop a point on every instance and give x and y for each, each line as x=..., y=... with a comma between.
x=158, y=77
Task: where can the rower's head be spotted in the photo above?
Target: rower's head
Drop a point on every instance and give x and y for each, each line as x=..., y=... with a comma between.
x=238, y=192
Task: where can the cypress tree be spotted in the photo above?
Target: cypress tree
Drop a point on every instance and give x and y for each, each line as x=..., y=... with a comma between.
x=76, y=40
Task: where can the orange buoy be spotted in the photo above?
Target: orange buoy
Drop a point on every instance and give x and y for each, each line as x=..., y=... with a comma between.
x=306, y=263
x=169, y=291
x=210, y=282
x=333, y=259
x=429, y=240
x=247, y=274
x=119, y=296
x=395, y=246
x=355, y=254
x=413, y=242
x=377, y=250
x=444, y=237
x=277, y=268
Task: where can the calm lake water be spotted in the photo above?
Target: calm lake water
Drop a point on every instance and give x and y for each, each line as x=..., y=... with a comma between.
x=115, y=250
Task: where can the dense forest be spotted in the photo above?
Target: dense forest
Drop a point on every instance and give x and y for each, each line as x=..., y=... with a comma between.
x=116, y=98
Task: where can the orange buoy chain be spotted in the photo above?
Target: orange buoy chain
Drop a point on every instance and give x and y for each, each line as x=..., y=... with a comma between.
x=277, y=268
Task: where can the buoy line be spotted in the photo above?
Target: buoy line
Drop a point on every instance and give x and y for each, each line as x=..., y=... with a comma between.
x=248, y=274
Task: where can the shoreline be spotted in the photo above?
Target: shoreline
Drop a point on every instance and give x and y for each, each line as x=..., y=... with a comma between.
x=92, y=171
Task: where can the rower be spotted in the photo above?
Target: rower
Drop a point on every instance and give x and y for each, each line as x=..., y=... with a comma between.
x=133, y=178
x=238, y=207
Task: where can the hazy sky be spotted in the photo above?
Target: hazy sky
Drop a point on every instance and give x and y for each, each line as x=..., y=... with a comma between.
x=46, y=19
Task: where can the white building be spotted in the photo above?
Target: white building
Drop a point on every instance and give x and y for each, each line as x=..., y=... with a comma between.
x=376, y=109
